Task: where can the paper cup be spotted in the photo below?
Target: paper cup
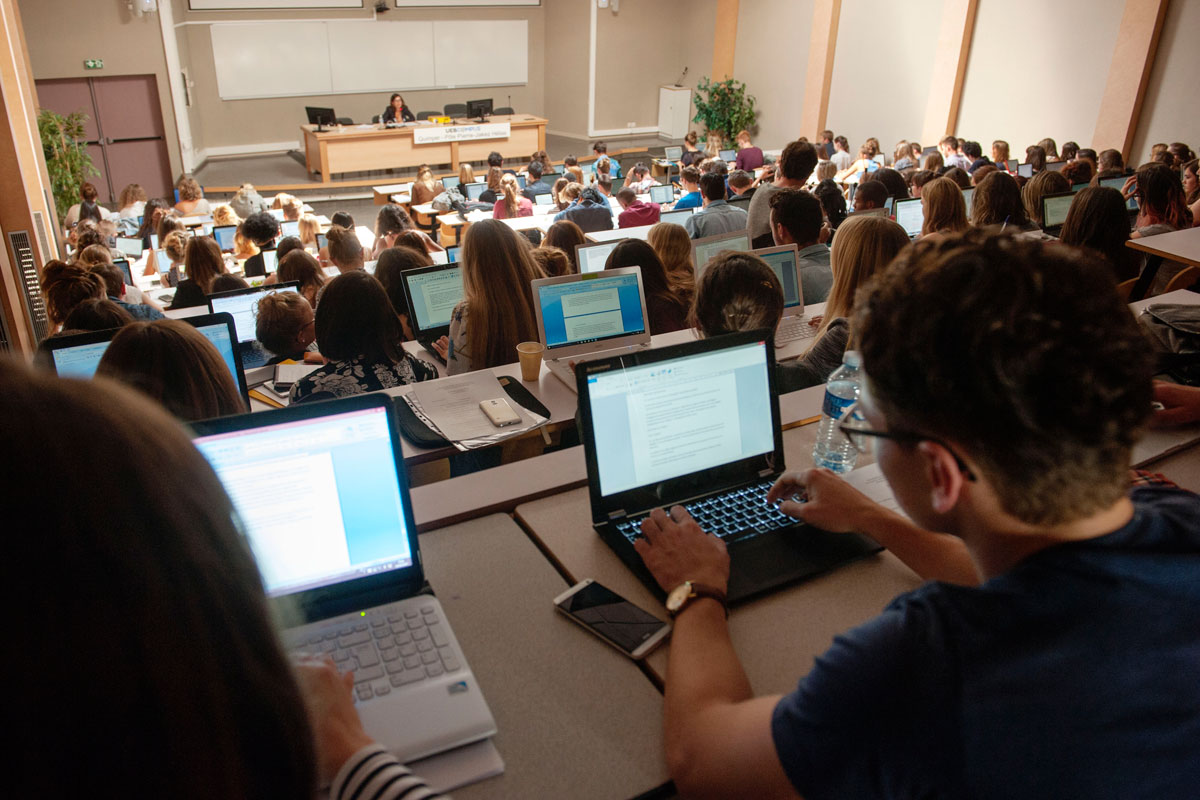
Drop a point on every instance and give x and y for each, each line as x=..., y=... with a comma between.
x=530, y=354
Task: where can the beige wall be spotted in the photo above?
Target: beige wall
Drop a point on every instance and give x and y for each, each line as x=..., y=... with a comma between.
x=62, y=33
x=1038, y=70
x=566, y=66
x=770, y=58
x=1171, y=113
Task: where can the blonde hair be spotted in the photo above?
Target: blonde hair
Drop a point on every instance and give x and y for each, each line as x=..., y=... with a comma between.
x=826, y=170
x=466, y=173
x=512, y=199
x=243, y=248
x=292, y=207
x=309, y=228
x=94, y=254
x=175, y=246
x=225, y=215
x=494, y=174
x=945, y=208
x=571, y=191
x=674, y=248
x=864, y=245
x=133, y=193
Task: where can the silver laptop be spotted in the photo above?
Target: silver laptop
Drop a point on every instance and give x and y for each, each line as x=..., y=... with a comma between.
x=784, y=261
x=663, y=193
x=593, y=257
x=588, y=316
x=704, y=249
x=677, y=217
x=672, y=153
x=910, y=215
x=322, y=497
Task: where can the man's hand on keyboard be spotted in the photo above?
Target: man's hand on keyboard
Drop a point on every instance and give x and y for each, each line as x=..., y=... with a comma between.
x=329, y=698
x=676, y=550
x=821, y=498
x=816, y=320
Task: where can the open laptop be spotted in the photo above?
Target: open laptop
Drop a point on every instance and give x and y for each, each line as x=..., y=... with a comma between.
x=342, y=569
x=672, y=153
x=450, y=181
x=586, y=316
x=1025, y=170
x=593, y=256
x=1118, y=183
x=662, y=194
x=223, y=234
x=1054, y=211
x=697, y=424
x=677, y=217
x=431, y=294
x=130, y=247
x=968, y=197
x=1056, y=166
x=910, y=215
x=727, y=155
x=126, y=270
x=784, y=261
x=474, y=190
x=242, y=304
x=704, y=249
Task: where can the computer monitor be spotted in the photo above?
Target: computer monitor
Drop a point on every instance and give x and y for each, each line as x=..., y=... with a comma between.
x=672, y=153
x=130, y=247
x=676, y=217
x=473, y=190
x=450, y=181
x=223, y=234
x=1055, y=208
x=432, y=293
x=478, y=109
x=320, y=116
x=289, y=227
x=593, y=257
x=727, y=155
x=704, y=249
x=242, y=304
x=910, y=215
x=664, y=193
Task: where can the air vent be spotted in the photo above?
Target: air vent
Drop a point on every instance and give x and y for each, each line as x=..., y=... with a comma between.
x=39, y=225
x=23, y=252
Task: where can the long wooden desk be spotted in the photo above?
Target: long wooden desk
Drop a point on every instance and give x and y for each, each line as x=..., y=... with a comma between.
x=357, y=148
x=1182, y=246
x=574, y=717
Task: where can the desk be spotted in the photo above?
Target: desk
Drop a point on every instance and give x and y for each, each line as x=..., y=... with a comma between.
x=1182, y=246
x=575, y=718
x=640, y=232
x=359, y=148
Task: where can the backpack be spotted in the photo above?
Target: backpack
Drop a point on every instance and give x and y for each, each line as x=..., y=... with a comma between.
x=1175, y=331
x=450, y=200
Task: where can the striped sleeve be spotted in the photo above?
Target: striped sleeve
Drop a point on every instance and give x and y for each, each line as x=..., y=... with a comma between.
x=374, y=774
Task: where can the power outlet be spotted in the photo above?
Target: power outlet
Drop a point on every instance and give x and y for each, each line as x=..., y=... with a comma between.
x=630, y=124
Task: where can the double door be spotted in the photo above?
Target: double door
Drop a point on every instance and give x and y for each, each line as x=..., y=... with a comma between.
x=126, y=137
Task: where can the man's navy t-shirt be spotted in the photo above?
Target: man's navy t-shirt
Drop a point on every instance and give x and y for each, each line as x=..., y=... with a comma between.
x=1076, y=674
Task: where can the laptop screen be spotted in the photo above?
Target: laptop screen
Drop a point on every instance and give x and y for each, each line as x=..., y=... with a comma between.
x=783, y=264
x=591, y=309
x=910, y=214
x=130, y=247
x=1119, y=184
x=473, y=190
x=664, y=193
x=703, y=250
x=727, y=155
x=672, y=153
x=351, y=522
x=452, y=254
x=162, y=261
x=224, y=235
x=593, y=257
x=968, y=196
x=218, y=334
x=244, y=308
x=434, y=294
x=1054, y=209
x=676, y=217
x=676, y=417
x=81, y=360
x=1025, y=170
x=289, y=227
x=450, y=181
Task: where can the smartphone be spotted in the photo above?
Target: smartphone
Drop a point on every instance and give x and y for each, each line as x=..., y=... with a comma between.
x=632, y=630
x=499, y=412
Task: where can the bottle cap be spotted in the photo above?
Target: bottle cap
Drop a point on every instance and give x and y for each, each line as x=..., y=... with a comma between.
x=853, y=359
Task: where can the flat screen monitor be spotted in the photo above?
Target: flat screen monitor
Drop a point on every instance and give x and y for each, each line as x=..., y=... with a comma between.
x=479, y=108
x=664, y=193
x=473, y=190
x=320, y=116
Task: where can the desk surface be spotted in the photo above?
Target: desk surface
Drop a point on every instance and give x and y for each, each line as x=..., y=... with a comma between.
x=640, y=232
x=378, y=129
x=1182, y=246
x=575, y=718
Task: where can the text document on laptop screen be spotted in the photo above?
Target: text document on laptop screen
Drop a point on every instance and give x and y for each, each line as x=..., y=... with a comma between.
x=79, y=361
x=434, y=296
x=593, y=257
x=244, y=308
x=910, y=214
x=784, y=266
x=705, y=251
x=590, y=310
x=675, y=417
x=319, y=498
x=1055, y=210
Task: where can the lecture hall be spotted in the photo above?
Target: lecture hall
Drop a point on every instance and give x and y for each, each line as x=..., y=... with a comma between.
x=615, y=399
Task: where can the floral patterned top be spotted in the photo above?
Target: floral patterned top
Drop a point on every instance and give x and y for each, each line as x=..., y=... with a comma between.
x=358, y=376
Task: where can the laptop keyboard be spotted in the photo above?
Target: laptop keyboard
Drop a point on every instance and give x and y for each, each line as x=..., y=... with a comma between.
x=733, y=516
x=793, y=329
x=392, y=649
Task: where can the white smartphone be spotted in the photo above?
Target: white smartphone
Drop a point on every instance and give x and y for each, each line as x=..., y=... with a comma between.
x=630, y=629
x=499, y=412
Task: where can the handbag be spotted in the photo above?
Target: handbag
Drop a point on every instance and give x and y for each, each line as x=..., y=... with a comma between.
x=1175, y=331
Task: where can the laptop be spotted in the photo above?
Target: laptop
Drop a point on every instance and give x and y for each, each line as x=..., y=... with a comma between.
x=219, y=329
x=587, y=316
x=162, y=262
x=1054, y=211
x=593, y=257
x=1025, y=170
x=130, y=247
x=968, y=196
x=910, y=215
x=672, y=153
x=223, y=234
x=1119, y=184
x=1011, y=164
x=697, y=424
x=126, y=271
x=784, y=261
x=704, y=249
x=888, y=203
x=1056, y=166
x=870, y=212
x=521, y=182
x=277, y=213
x=473, y=190
x=450, y=181
x=342, y=569
x=452, y=254
x=431, y=294
x=662, y=194
x=676, y=217
x=270, y=260
x=290, y=227
x=242, y=304
x=727, y=155
x=543, y=199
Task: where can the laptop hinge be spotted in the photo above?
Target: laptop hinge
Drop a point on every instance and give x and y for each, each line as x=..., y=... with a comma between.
x=765, y=473
x=618, y=514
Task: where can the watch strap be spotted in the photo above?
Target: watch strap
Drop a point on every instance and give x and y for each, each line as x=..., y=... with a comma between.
x=699, y=590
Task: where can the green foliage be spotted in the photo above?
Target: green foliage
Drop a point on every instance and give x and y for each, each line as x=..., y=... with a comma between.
x=64, y=142
x=724, y=108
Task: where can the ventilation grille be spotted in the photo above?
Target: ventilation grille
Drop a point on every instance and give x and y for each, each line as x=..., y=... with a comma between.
x=23, y=251
x=39, y=225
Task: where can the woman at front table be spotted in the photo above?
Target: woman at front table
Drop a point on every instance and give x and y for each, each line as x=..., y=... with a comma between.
x=396, y=111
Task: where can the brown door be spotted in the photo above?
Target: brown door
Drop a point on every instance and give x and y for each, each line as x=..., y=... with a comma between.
x=66, y=97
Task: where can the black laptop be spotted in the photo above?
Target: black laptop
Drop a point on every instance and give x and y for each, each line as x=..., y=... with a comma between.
x=1054, y=211
x=431, y=294
x=242, y=304
x=697, y=424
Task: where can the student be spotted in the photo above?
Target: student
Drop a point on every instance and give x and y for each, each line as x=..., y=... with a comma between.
x=749, y=157
x=248, y=201
x=639, y=179
x=945, y=210
x=902, y=158
x=536, y=184
x=286, y=326
x=492, y=193
x=978, y=175
x=871, y=194
x=1000, y=154
x=1089, y=155
x=496, y=313
x=556, y=193
x=1069, y=151
x=393, y=220
x=692, y=154
x=673, y=247
x=262, y=229
x=958, y=690
x=565, y=235
x=132, y=202
x=227, y=282
x=958, y=176
x=173, y=363
x=552, y=261
x=1111, y=164
x=302, y=268
x=935, y=163
x=997, y=202
x=603, y=187
x=796, y=219
x=389, y=271
x=666, y=309
x=466, y=174
x=152, y=215
x=397, y=111
x=1191, y=190
x=203, y=263
x=736, y=292
x=345, y=250
x=310, y=229
x=359, y=334
x=865, y=164
x=1050, y=149
x=832, y=203
x=1161, y=209
x=1098, y=220
x=600, y=151
x=974, y=153
x=425, y=188
x=512, y=204
x=795, y=164
x=1037, y=187
x=948, y=147
x=65, y=286
x=689, y=181
x=717, y=216
x=893, y=181
x=191, y=198
x=87, y=208
x=636, y=213
x=741, y=188
x=96, y=314
x=841, y=154
x=1035, y=157
x=587, y=209
x=114, y=287
x=224, y=215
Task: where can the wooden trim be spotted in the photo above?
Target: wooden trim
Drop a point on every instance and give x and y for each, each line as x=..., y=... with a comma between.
x=1128, y=75
x=725, y=39
x=949, y=69
x=821, y=51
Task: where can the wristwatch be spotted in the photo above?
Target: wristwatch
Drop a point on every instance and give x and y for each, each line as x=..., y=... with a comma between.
x=683, y=594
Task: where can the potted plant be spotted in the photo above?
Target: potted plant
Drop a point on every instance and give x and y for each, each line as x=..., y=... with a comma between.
x=725, y=109
x=64, y=143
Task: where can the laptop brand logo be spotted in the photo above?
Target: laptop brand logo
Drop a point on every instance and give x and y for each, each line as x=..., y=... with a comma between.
x=458, y=687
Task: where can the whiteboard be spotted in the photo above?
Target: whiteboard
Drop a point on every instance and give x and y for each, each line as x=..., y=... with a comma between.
x=491, y=53
x=381, y=56
x=251, y=63
x=221, y=5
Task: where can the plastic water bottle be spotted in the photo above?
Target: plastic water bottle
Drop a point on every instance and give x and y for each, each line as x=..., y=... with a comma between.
x=833, y=450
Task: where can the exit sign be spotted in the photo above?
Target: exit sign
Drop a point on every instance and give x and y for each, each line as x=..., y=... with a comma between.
x=93, y=63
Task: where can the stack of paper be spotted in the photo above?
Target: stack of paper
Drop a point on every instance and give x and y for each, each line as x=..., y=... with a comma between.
x=450, y=406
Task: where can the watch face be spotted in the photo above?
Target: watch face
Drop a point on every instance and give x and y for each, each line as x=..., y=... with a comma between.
x=678, y=596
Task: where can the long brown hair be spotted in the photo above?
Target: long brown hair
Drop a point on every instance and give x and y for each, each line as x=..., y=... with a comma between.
x=497, y=269
x=737, y=292
x=302, y=267
x=565, y=235
x=863, y=247
x=674, y=248
x=945, y=209
x=203, y=261
x=66, y=286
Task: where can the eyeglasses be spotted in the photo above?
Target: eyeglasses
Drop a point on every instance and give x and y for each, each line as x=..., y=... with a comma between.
x=853, y=426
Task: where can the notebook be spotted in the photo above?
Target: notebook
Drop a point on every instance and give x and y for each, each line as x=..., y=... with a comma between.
x=322, y=495
x=910, y=215
x=676, y=217
x=587, y=316
x=784, y=261
x=431, y=294
x=242, y=305
x=697, y=424
x=593, y=257
x=224, y=235
x=1054, y=211
x=662, y=194
x=704, y=249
